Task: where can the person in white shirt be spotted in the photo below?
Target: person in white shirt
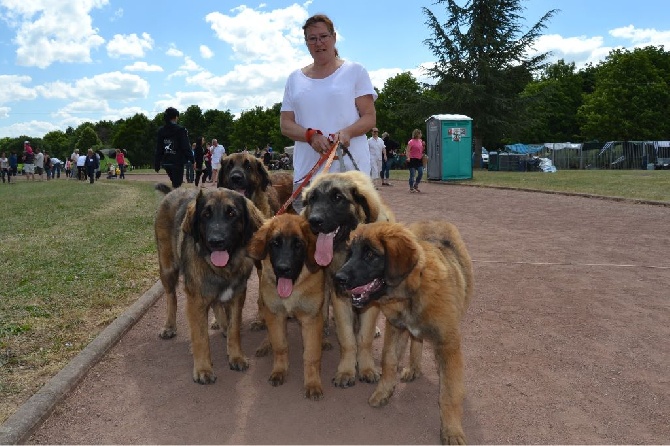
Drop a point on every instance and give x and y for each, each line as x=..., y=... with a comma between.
x=329, y=96
x=377, y=155
x=218, y=152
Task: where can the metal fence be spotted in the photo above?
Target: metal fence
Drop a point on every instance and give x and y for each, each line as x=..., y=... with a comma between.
x=610, y=155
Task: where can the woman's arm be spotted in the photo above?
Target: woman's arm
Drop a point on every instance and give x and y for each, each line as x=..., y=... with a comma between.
x=368, y=119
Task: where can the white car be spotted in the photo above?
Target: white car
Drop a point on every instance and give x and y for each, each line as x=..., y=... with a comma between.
x=485, y=158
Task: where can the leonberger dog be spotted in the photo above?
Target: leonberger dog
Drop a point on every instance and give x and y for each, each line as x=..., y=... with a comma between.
x=335, y=204
x=422, y=278
x=247, y=175
x=292, y=285
x=202, y=234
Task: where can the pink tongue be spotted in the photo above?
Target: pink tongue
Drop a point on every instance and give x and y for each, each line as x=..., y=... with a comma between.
x=284, y=287
x=220, y=258
x=324, y=249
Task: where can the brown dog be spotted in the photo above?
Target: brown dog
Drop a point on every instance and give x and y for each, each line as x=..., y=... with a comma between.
x=292, y=285
x=335, y=204
x=422, y=277
x=203, y=235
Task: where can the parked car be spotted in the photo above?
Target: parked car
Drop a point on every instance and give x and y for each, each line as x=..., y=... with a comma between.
x=485, y=158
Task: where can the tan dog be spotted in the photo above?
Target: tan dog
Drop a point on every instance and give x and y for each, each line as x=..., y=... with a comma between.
x=422, y=277
x=335, y=204
x=203, y=235
x=292, y=285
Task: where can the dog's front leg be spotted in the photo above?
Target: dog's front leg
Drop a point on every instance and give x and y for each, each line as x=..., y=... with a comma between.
x=276, y=324
x=344, y=327
x=196, y=313
x=366, y=335
x=236, y=358
x=312, y=332
x=394, y=341
x=449, y=360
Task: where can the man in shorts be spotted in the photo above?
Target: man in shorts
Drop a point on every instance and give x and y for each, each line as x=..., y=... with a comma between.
x=28, y=161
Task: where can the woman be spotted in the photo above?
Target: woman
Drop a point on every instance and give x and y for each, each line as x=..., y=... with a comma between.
x=207, y=176
x=199, y=154
x=415, y=160
x=91, y=164
x=4, y=168
x=328, y=96
x=121, y=162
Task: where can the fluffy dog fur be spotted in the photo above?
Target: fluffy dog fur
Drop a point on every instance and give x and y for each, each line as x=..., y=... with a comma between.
x=292, y=285
x=335, y=204
x=203, y=235
x=422, y=277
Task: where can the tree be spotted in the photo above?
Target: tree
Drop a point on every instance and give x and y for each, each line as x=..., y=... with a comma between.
x=399, y=109
x=136, y=135
x=482, y=62
x=87, y=139
x=194, y=122
x=219, y=125
x=59, y=144
x=631, y=97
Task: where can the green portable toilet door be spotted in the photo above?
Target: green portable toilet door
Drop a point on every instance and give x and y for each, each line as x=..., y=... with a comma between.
x=457, y=150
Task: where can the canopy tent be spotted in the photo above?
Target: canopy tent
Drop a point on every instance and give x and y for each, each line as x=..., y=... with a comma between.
x=523, y=148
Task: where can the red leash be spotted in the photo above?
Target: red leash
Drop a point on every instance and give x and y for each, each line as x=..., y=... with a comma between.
x=327, y=158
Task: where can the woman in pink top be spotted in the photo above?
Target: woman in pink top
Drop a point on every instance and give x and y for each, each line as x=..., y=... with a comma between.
x=414, y=160
x=121, y=162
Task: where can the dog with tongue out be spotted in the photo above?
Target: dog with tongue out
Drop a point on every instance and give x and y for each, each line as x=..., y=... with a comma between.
x=335, y=204
x=291, y=284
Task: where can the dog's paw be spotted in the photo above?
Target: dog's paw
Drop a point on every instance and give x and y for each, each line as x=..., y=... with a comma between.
x=344, y=380
x=452, y=437
x=204, y=376
x=238, y=364
x=378, y=332
x=167, y=333
x=264, y=349
x=326, y=345
x=409, y=374
x=314, y=392
x=277, y=378
x=214, y=325
x=380, y=397
x=257, y=325
x=369, y=375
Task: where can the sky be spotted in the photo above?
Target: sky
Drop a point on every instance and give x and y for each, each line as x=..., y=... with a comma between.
x=64, y=62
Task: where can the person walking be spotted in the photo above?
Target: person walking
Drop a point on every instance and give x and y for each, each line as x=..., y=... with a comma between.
x=4, y=168
x=199, y=156
x=377, y=156
x=207, y=174
x=39, y=163
x=13, y=164
x=347, y=90
x=28, y=161
x=121, y=162
x=91, y=164
x=173, y=148
x=391, y=147
x=218, y=152
x=189, y=167
x=415, y=160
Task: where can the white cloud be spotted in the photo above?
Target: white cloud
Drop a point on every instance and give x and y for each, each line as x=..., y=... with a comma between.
x=49, y=31
x=174, y=52
x=106, y=86
x=142, y=66
x=129, y=45
x=580, y=50
x=261, y=36
x=642, y=36
x=205, y=52
x=12, y=88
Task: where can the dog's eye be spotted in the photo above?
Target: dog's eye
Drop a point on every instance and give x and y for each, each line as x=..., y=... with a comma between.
x=275, y=243
x=368, y=254
x=338, y=197
x=207, y=212
x=231, y=212
x=247, y=165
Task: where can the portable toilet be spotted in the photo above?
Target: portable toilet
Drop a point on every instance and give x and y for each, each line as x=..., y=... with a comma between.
x=449, y=147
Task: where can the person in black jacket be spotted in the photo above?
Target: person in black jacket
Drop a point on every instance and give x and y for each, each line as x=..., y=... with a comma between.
x=390, y=151
x=199, y=153
x=173, y=148
x=92, y=164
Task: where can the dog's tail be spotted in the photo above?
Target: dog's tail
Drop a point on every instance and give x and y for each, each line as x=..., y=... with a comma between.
x=164, y=188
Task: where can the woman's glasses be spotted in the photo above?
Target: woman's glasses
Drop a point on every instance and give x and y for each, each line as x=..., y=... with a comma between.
x=312, y=40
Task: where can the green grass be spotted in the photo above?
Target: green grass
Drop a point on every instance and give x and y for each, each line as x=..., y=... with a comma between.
x=74, y=257
x=632, y=184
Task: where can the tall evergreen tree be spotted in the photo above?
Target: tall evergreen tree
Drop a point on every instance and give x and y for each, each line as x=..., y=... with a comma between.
x=483, y=62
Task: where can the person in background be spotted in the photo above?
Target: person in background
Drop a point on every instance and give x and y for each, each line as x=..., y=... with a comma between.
x=56, y=166
x=13, y=164
x=91, y=164
x=189, y=167
x=377, y=155
x=391, y=148
x=48, y=165
x=173, y=148
x=199, y=155
x=218, y=152
x=39, y=163
x=81, y=167
x=207, y=175
x=343, y=86
x=414, y=150
x=28, y=161
x=4, y=168
x=121, y=162
x=74, y=158
x=68, y=169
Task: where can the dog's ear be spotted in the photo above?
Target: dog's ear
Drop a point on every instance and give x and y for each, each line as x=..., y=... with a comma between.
x=371, y=211
x=253, y=218
x=220, y=174
x=263, y=173
x=191, y=219
x=310, y=241
x=257, y=248
x=402, y=253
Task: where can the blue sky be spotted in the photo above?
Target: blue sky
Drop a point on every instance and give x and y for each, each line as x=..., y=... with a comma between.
x=64, y=62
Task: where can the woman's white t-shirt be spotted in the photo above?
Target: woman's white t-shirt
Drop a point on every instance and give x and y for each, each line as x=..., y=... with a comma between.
x=328, y=105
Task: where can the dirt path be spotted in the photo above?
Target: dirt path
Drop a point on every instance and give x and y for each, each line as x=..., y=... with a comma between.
x=566, y=341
